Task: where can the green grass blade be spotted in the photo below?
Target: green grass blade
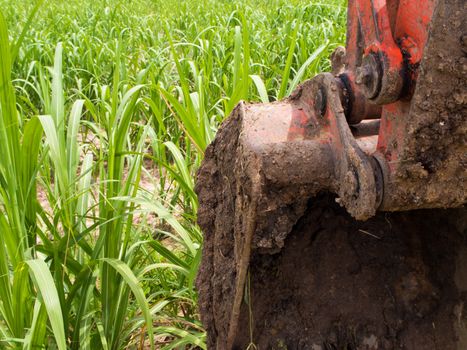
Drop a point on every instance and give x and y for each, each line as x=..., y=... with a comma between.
x=260, y=87
x=246, y=57
x=299, y=76
x=26, y=27
x=36, y=335
x=44, y=283
x=184, y=337
x=169, y=255
x=30, y=146
x=57, y=153
x=237, y=59
x=288, y=64
x=58, y=100
x=72, y=138
x=132, y=282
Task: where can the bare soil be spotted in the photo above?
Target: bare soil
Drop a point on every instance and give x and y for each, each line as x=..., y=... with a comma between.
x=397, y=281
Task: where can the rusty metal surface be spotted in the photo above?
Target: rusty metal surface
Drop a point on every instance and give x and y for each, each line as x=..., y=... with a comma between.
x=268, y=160
x=423, y=141
x=380, y=47
x=422, y=138
x=281, y=144
x=385, y=42
x=354, y=173
x=290, y=138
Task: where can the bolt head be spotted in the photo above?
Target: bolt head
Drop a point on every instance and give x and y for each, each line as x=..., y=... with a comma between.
x=369, y=76
x=363, y=75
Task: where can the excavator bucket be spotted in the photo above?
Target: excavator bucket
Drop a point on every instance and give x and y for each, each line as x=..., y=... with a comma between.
x=336, y=219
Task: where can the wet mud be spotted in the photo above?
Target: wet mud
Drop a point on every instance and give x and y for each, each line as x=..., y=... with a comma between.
x=397, y=281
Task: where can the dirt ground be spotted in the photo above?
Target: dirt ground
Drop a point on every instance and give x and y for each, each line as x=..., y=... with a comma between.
x=397, y=281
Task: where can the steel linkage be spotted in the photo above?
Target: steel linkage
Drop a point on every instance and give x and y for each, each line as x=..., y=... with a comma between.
x=404, y=63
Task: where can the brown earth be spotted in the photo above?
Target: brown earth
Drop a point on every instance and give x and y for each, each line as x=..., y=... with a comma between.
x=397, y=281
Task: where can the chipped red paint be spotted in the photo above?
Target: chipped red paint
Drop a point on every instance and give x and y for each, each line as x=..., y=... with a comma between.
x=411, y=32
x=413, y=20
x=376, y=30
x=298, y=125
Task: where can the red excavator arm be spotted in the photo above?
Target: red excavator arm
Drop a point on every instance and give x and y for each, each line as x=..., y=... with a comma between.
x=397, y=57
x=386, y=131
x=393, y=119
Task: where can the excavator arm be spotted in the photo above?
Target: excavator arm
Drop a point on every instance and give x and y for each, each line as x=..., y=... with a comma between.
x=384, y=132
